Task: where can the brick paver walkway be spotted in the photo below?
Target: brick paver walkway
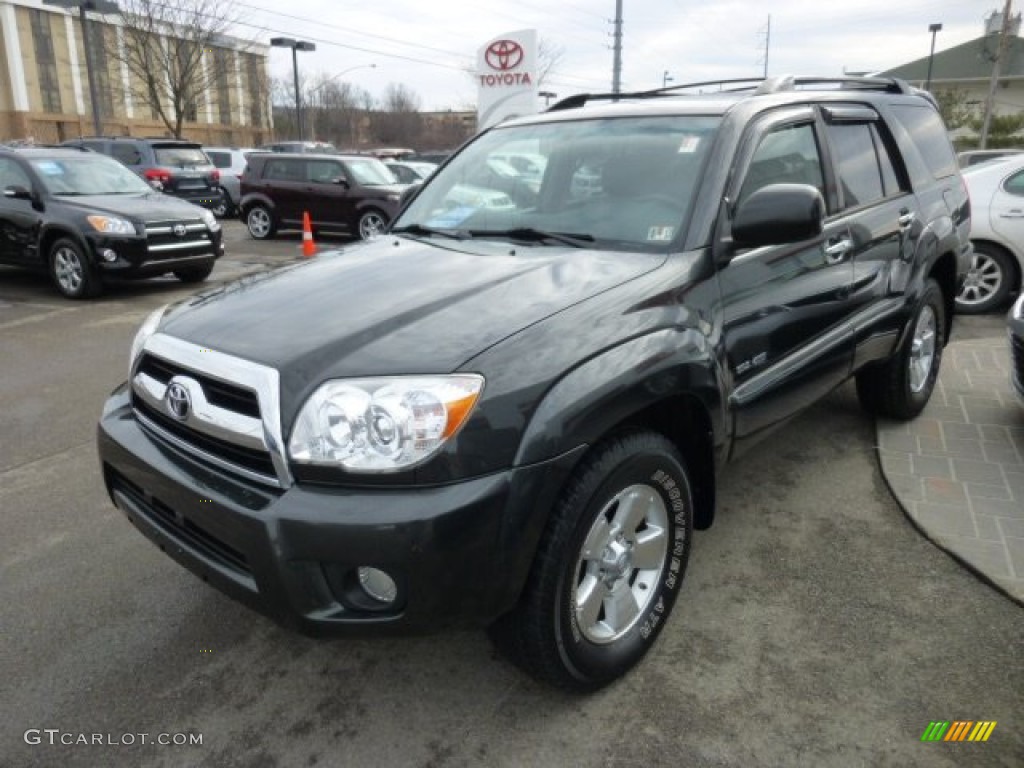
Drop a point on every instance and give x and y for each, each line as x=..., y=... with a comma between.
x=958, y=469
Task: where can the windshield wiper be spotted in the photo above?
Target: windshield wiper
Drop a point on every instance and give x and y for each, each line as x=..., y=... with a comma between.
x=423, y=231
x=575, y=239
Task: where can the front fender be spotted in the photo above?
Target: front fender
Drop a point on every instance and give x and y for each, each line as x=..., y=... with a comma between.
x=609, y=389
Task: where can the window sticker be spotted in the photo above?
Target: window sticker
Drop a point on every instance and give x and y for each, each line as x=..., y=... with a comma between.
x=688, y=145
x=49, y=168
x=452, y=217
x=660, y=234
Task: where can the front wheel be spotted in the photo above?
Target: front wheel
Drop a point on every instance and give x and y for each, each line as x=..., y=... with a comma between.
x=371, y=223
x=901, y=386
x=608, y=567
x=71, y=271
x=223, y=207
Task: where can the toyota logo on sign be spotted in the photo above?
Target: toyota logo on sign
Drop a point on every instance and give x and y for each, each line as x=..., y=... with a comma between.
x=503, y=54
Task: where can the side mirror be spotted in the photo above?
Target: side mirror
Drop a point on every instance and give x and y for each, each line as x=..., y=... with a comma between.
x=17, y=192
x=341, y=181
x=778, y=214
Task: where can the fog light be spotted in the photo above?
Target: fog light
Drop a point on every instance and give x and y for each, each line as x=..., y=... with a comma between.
x=377, y=584
x=108, y=255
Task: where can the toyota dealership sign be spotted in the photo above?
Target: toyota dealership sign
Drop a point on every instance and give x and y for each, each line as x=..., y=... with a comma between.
x=506, y=69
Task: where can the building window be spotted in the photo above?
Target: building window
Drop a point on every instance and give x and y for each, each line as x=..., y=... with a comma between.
x=46, y=62
x=257, y=96
x=221, y=62
x=101, y=74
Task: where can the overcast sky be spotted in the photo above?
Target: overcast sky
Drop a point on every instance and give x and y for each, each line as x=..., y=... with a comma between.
x=428, y=46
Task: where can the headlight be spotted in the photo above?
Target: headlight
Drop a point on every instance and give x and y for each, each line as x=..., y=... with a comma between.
x=382, y=425
x=111, y=225
x=210, y=220
x=147, y=329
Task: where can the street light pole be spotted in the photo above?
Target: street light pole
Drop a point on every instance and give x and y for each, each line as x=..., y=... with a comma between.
x=296, y=46
x=101, y=6
x=666, y=78
x=547, y=96
x=933, y=28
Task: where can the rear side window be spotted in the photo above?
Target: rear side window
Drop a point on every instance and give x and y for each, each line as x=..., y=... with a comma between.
x=1015, y=184
x=219, y=159
x=859, y=174
x=180, y=156
x=284, y=170
x=126, y=153
x=929, y=134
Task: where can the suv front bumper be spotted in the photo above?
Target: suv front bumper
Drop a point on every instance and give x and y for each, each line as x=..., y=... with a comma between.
x=134, y=258
x=458, y=554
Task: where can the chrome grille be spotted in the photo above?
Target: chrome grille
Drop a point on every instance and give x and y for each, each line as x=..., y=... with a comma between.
x=231, y=414
x=163, y=242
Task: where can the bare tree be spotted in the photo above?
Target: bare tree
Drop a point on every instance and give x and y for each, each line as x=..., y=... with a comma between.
x=399, y=120
x=175, y=54
x=549, y=56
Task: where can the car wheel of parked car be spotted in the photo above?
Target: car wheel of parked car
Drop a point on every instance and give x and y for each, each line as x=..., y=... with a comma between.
x=900, y=387
x=194, y=274
x=371, y=223
x=989, y=282
x=223, y=208
x=72, y=273
x=608, y=568
x=260, y=222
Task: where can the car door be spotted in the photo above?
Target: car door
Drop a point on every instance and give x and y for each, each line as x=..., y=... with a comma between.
x=876, y=203
x=785, y=307
x=19, y=220
x=328, y=193
x=284, y=181
x=1006, y=211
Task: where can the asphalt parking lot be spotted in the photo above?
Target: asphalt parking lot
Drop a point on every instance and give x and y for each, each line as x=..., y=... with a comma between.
x=816, y=626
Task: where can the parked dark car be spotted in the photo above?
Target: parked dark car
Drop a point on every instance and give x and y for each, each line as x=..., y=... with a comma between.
x=342, y=193
x=172, y=166
x=512, y=416
x=85, y=218
x=1015, y=323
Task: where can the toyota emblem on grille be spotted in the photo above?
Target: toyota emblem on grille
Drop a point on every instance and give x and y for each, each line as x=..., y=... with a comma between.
x=177, y=400
x=179, y=230
x=503, y=54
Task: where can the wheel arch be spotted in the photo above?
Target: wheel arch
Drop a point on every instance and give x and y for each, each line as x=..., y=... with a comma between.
x=943, y=271
x=52, y=234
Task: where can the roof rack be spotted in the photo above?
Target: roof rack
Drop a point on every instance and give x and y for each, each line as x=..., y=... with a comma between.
x=757, y=86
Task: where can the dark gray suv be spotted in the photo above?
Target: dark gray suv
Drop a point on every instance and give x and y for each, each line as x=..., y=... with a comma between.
x=172, y=166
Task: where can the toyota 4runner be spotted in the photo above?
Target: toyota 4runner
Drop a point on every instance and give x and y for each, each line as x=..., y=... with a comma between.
x=512, y=416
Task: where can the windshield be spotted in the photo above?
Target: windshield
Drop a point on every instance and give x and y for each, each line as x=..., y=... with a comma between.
x=370, y=172
x=625, y=183
x=88, y=174
x=180, y=157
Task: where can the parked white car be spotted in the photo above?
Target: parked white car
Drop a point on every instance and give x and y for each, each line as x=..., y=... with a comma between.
x=996, y=189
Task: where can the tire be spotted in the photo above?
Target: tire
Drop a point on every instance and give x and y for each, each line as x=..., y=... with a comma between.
x=71, y=271
x=194, y=274
x=989, y=282
x=901, y=386
x=260, y=222
x=590, y=609
x=223, y=208
x=371, y=223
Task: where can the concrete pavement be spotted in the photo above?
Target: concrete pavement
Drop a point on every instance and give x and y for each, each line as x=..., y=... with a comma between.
x=958, y=469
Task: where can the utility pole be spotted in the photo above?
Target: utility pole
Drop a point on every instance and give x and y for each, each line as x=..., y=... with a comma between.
x=767, y=41
x=1004, y=37
x=617, y=50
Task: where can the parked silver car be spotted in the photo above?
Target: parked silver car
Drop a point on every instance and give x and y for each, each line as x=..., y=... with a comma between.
x=230, y=161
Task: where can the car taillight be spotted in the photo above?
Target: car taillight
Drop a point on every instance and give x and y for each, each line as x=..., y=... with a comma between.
x=157, y=174
x=215, y=175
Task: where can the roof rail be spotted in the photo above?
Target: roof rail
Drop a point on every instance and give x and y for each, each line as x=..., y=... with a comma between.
x=758, y=86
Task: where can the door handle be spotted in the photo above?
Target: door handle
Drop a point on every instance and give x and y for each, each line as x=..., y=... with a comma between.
x=1014, y=213
x=836, y=250
x=906, y=219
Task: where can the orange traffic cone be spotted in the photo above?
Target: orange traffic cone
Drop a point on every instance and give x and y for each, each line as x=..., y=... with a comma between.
x=308, y=246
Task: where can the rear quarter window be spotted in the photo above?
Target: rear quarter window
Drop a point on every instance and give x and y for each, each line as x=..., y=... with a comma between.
x=929, y=135
x=219, y=159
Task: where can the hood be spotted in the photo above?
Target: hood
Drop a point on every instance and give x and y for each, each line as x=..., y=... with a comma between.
x=146, y=206
x=395, y=306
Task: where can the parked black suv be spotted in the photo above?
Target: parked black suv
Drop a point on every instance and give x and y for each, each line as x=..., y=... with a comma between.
x=512, y=415
x=342, y=193
x=172, y=166
x=84, y=217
